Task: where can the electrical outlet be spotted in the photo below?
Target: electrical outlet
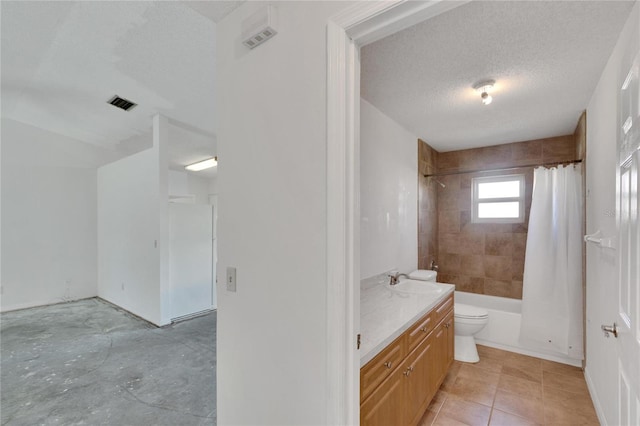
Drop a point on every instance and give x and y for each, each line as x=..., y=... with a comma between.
x=231, y=279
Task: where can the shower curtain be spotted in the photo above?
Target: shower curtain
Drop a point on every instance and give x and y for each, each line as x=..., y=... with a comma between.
x=552, y=287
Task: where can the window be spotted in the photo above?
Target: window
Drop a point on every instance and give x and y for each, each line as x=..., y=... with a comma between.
x=498, y=199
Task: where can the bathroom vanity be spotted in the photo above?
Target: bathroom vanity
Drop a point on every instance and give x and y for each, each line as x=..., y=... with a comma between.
x=407, y=349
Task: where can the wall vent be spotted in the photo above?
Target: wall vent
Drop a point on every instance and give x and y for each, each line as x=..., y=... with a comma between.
x=259, y=27
x=122, y=103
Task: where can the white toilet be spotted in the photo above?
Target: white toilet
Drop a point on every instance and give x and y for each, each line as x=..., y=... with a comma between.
x=468, y=320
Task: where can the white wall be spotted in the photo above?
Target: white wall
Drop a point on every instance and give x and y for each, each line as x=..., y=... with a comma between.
x=388, y=194
x=272, y=219
x=183, y=184
x=213, y=185
x=129, y=225
x=49, y=240
x=601, y=207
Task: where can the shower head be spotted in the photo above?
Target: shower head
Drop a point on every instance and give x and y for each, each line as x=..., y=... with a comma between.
x=439, y=183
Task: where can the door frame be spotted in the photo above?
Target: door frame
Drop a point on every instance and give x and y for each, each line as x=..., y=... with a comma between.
x=360, y=24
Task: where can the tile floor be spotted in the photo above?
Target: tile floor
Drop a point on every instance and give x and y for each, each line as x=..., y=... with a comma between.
x=510, y=389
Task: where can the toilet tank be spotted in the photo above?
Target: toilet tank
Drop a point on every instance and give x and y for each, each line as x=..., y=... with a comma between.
x=423, y=275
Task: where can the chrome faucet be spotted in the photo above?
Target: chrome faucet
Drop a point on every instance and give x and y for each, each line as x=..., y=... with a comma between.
x=394, y=278
x=433, y=265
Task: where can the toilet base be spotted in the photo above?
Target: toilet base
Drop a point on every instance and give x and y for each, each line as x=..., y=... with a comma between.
x=465, y=349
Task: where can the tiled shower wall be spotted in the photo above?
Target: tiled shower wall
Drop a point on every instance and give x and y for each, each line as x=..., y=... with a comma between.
x=427, y=206
x=483, y=258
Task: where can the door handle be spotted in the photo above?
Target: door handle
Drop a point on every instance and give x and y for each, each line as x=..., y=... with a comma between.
x=613, y=329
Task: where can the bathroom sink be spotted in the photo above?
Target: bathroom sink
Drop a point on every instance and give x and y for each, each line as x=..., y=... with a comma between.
x=417, y=287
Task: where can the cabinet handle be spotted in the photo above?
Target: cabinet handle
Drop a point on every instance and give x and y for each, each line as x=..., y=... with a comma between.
x=423, y=329
x=388, y=364
x=408, y=371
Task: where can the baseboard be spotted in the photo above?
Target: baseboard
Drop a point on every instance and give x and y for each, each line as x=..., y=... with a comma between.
x=560, y=359
x=133, y=314
x=39, y=304
x=191, y=316
x=594, y=397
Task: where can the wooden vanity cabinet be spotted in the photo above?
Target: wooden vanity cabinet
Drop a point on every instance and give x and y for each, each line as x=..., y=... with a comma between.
x=443, y=342
x=398, y=384
x=385, y=406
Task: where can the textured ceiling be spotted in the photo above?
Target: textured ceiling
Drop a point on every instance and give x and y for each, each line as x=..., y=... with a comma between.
x=216, y=10
x=62, y=61
x=546, y=58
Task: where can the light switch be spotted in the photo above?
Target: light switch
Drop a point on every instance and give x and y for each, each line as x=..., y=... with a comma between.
x=231, y=279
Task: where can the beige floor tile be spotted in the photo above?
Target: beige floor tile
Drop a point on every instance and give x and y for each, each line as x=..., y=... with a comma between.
x=466, y=412
x=438, y=399
x=444, y=420
x=500, y=418
x=556, y=367
x=521, y=387
x=487, y=363
x=564, y=382
x=529, y=408
x=479, y=374
x=558, y=413
x=428, y=418
x=561, y=406
x=530, y=360
x=451, y=376
x=489, y=352
x=523, y=367
x=474, y=391
x=511, y=389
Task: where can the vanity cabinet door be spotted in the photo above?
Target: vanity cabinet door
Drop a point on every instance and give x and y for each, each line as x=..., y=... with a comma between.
x=450, y=342
x=385, y=406
x=443, y=342
x=380, y=367
x=419, y=331
x=419, y=381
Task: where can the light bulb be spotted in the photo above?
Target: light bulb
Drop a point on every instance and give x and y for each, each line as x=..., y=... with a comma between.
x=486, y=98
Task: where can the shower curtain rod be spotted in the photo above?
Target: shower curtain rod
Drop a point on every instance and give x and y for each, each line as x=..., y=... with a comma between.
x=557, y=163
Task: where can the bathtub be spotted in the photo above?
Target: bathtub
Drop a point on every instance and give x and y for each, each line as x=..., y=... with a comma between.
x=503, y=329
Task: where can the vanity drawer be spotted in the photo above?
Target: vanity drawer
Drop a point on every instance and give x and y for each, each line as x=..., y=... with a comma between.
x=380, y=367
x=443, y=309
x=420, y=330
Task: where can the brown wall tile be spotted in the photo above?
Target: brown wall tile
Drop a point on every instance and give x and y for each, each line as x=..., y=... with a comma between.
x=427, y=205
x=471, y=243
x=497, y=267
x=449, y=221
x=450, y=264
x=527, y=152
x=473, y=265
x=500, y=244
x=479, y=257
x=559, y=149
x=498, y=288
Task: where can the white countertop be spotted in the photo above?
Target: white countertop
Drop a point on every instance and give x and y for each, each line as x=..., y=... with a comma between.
x=386, y=313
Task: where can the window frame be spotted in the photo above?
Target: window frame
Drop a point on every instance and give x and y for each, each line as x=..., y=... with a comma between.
x=475, y=201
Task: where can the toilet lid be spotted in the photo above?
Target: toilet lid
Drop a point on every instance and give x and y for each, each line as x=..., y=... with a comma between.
x=467, y=311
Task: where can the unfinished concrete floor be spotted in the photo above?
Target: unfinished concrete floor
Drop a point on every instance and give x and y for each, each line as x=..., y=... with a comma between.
x=89, y=363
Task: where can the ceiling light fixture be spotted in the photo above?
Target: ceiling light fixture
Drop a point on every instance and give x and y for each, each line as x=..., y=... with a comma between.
x=201, y=165
x=484, y=87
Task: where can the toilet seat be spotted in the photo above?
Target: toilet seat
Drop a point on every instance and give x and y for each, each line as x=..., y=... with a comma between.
x=463, y=311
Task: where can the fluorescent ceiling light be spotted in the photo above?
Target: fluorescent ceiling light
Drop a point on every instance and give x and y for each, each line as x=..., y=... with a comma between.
x=204, y=164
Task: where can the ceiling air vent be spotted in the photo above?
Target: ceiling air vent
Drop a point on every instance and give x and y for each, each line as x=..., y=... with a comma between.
x=259, y=27
x=122, y=103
